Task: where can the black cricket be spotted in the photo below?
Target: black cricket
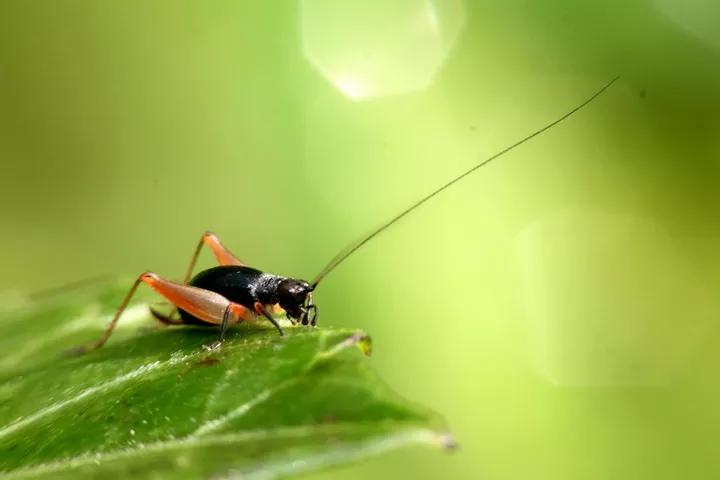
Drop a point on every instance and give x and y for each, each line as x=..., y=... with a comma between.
x=234, y=292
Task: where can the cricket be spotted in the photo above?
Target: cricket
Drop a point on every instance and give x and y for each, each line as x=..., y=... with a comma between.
x=234, y=292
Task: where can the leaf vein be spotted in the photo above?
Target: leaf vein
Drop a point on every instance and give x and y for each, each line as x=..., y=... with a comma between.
x=407, y=432
x=88, y=392
x=239, y=411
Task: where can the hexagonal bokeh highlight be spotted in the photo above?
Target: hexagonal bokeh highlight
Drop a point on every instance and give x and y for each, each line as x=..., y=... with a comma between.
x=373, y=48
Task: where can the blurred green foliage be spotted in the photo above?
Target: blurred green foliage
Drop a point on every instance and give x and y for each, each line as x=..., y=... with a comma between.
x=560, y=306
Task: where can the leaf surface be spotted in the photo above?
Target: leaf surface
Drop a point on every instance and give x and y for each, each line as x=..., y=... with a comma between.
x=153, y=403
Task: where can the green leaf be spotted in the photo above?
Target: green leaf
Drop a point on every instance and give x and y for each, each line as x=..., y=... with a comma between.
x=153, y=403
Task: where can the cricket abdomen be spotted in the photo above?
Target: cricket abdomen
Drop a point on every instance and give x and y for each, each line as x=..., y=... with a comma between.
x=236, y=283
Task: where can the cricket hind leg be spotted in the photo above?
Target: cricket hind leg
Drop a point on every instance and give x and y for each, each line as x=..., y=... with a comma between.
x=222, y=254
x=207, y=306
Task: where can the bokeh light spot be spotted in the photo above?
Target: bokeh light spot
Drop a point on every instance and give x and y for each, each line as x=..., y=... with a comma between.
x=606, y=300
x=373, y=48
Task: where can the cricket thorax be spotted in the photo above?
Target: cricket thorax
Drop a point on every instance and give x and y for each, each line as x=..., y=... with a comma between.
x=264, y=288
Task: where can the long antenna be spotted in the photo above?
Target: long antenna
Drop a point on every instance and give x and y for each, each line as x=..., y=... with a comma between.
x=353, y=247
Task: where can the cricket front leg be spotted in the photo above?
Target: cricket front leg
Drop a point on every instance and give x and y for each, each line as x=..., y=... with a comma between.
x=261, y=310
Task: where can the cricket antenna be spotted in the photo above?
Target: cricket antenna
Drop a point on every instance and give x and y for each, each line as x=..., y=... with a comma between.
x=353, y=247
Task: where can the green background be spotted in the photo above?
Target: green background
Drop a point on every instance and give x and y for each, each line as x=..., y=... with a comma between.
x=559, y=308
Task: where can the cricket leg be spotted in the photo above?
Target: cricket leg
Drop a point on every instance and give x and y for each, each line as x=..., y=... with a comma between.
x=203, y=304
x=222, y=254
x=166, y=319
x=223, y=328
x=261, y=310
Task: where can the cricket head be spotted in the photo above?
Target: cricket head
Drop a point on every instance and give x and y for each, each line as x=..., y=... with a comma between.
x=296, y=298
